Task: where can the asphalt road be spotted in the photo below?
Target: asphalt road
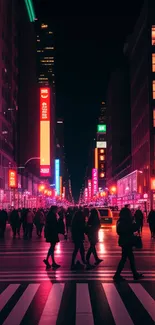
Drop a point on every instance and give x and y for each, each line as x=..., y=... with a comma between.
x=31, y=295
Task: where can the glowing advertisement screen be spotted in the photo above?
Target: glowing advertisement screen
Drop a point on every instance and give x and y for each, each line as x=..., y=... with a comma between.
x=101, y=144
x=57, y=176
x=12, y=178
x=101, y=128
x=45, y=132
x=94, y=181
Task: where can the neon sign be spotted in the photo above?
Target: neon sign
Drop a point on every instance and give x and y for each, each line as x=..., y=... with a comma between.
x=101, y=128
x=45, y=132
x=89, y=189
x=12, y=178
x=57, y=176
x=94, y=181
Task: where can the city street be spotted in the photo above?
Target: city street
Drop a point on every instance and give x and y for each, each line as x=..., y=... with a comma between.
x=74, y=297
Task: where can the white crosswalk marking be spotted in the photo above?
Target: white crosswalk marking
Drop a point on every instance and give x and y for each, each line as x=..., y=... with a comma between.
x=117, y=307
x=146, y=300
x=18, y=312
x=52, y=306
x=83, y=306
x=7, y=294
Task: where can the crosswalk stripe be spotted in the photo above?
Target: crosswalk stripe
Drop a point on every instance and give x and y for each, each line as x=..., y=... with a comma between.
x=18, y=312
x=117, y=307
x=84, y=313
x=7, y=294
x=52, y=306
x=146, y=300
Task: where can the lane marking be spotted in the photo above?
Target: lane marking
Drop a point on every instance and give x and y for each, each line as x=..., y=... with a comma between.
x=146, y=300
x=18, y=312
x=7, y=294
x=84, y=313
x=52, y=306
x=119, y=311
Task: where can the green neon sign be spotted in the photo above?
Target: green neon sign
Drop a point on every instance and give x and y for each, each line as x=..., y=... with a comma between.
x=101, y=128
x=30, y=10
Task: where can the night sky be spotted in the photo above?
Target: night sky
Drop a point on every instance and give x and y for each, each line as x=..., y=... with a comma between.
x=88, y=48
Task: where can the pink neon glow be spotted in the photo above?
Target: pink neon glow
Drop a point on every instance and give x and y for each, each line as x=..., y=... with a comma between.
x=94, y=181
x=89, y=189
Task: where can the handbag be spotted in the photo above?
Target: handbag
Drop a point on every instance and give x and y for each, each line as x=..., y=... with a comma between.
x=137, y=242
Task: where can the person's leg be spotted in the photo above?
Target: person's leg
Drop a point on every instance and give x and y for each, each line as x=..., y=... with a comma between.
x=75, y=251
x=88, y=254
x=52, y=254
x=95, y=253
x=122, y=262
x=132, y=261
x=82, y=253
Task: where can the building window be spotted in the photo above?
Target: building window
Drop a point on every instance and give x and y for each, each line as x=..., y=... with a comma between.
x=153, y=35
x=154, y=118
x=102, y=158
x=102, y=166
x=153, y=62
x=102, y=175
x=101, y=150
x=153, y=86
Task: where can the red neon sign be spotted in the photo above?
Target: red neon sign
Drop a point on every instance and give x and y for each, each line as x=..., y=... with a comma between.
x=44, y=104
x=12, y=178
x=45, y=171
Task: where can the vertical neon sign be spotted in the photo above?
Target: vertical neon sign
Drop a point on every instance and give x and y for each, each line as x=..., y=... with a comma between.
x=57, y=176
x=44, y=132
x=86, y=194
x=94, y=181
x=89, y=189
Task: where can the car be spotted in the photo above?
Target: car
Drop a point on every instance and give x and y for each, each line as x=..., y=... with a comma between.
x=106, y=216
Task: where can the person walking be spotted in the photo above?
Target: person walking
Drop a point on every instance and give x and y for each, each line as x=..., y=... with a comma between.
x=125, y=229
x=14, y=221
x=3, y=221
x=93, y=227
x=151, y=221
x=51, y=235
x=29, y=223
x=39, y=221
x=139, y=218
x=77, y=231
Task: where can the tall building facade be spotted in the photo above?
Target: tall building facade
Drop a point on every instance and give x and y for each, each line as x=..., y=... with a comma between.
x=45, y=55
x=118, y=162
x=46, y=83
x=140, y=50
x=8, y=88
x=101, y=148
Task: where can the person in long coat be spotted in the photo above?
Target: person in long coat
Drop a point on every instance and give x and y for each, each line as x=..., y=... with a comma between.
x=93, y=227
x=51, y=234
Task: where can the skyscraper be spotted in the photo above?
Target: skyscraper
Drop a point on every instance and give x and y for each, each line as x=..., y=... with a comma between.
x=45, y=55
x=46, y=84
x=101, y=147
x=8, y=87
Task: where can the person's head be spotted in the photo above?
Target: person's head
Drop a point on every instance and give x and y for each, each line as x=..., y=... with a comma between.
x=125, y=214
x=53, y=209
x=94, y=214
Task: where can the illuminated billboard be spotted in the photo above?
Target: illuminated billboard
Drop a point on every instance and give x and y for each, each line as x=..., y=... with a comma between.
x=94, y=181
x=30, y=10
x=45, y=132
x=101, y=128
x=101, y=144
x=57, y=176
x=12, y=178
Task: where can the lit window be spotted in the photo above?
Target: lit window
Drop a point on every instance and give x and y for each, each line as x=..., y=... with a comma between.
x=153, y=35
x=101, y=150
x=102, y=166
x=44, y=26
x=153, y=86
x=102, y=175
x=102, y=157
x=153, y=62
x=154, y=118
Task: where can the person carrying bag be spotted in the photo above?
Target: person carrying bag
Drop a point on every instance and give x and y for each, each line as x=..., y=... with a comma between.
x=127, y=240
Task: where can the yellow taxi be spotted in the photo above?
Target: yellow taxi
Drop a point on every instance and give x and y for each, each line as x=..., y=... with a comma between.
x=106, y=216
